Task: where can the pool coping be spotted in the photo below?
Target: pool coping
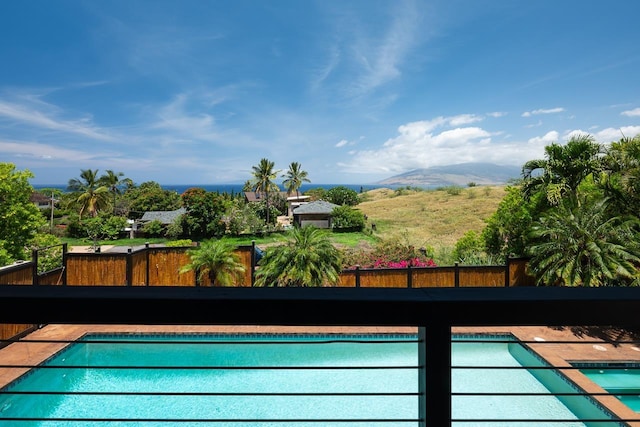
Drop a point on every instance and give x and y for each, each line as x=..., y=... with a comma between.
x=539, y=339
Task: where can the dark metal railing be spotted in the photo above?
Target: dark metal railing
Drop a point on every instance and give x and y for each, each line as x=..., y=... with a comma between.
x=434, y=311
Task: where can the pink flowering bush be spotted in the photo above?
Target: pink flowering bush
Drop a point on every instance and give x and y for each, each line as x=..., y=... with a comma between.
x=388, y=254
x=413, y=262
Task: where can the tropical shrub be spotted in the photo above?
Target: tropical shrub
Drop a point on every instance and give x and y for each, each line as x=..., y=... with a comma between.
x=579, y=244
x=306, y=259
x=217, y=260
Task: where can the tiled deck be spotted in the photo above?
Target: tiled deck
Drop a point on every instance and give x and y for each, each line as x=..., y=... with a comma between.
x=575, y=347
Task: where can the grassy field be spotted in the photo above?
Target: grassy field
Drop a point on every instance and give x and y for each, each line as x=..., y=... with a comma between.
x=435, y=218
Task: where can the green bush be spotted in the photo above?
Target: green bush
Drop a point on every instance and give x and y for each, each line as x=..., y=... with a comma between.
x=153, y=228
x=113, y=227
x=470, y=245
x=347, y=218
x=342, y=195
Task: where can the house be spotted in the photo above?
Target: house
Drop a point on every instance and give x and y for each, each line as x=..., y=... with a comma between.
x=316, y=213
x=41, y=201
x=295, y=201
x=256, y=196
x=165, y=217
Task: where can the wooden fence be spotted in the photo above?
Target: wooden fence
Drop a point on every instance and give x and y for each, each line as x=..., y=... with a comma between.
x=160, y=266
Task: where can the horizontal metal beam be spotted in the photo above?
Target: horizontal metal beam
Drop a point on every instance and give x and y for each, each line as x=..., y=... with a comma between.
x=320, y=306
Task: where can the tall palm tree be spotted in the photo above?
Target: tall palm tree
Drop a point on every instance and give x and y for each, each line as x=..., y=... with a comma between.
x=217, y=260
x=114, y=184
x=574, y=245
x=564, y=168
x=307, y=259
x=294, y=178
x=263, y=177
x=92, y=196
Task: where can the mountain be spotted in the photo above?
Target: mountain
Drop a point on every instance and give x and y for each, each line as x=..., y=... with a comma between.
x=460, y=174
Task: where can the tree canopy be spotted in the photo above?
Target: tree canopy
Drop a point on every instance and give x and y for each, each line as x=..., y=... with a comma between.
x=20, y=219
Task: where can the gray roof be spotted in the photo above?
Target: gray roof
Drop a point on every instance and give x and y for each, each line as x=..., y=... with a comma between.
x=165, y=217
x=317, y=207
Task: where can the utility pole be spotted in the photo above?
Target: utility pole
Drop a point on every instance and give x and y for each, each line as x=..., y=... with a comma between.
x=52, y=201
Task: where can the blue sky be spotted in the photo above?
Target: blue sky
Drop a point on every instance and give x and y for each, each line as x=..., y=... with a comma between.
x=197, y=92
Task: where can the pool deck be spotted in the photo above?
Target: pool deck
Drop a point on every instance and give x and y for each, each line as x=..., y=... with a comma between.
x=558, y=346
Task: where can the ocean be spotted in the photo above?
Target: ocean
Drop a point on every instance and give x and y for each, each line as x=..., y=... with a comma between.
x=234, y=188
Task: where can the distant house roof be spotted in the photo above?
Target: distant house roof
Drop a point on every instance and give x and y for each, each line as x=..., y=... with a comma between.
x=254, y=196
x=165, y=217
x=317, y=207
x=39, y=198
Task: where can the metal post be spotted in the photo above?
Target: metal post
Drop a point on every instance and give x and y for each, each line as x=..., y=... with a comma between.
x=34, y=268
x=357, y=276
x=507, y=272
x=146, y=255
x=409, y=277
x=52, y=200
x=456, y=275
x=434, y=356
x=253, y=263
x=129, y=266
x=65, y=248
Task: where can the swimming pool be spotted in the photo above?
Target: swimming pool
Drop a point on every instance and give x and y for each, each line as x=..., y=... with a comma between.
x=616, y=378
x=259, y=379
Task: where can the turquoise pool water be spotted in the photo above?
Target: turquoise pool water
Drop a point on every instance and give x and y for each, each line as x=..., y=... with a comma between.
x=617, y=378
x=223, y=364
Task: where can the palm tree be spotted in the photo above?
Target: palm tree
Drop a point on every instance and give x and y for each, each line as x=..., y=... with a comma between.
x=217, y=260
x=574, y=245
x=295, y=176
x=563, y=170
x=93, y=197
x=307, y=259
x=263, y=176
x=112, y=181
x=622, y=162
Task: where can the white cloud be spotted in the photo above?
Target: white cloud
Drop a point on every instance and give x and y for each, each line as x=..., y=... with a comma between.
x=464, y=119
x=546, y=139
x=543, y=111
x=423, y=127
x=615, y=134
x=418, y=146
x=380, y=59
x=37, y=150
x=632, y=113
x=183, y=125
x=342, y=143
x=33, y=117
